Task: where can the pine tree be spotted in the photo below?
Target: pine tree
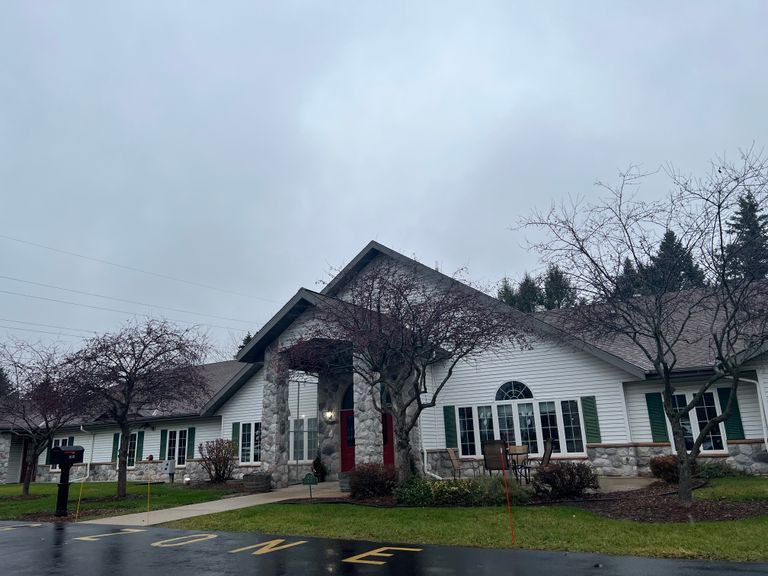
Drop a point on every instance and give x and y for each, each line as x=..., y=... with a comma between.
x=629, y=283
x=247, y=338
x=747, y=254
x=506, y=292
x=528, y=294
x=558, y=291
x=672, y=268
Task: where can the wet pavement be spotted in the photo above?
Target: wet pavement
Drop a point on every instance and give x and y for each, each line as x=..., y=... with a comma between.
x=85, y=549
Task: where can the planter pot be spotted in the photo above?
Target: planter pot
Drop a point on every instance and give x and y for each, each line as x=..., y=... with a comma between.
x=258, y=482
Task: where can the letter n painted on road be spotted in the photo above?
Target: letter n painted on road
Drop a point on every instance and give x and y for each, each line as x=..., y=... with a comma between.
x=377, y=553
x=122, y=532
x=184, y=540
x=268, y=546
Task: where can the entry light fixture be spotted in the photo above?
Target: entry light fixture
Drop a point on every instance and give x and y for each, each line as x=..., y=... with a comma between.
x=329, y=416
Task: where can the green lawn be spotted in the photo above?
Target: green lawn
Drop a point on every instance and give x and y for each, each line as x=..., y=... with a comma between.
x=98, y=498
x=549, y=528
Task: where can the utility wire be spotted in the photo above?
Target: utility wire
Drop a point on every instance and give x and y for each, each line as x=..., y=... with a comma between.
x=133, y=269
x=114, y=310
x=123, y=300
x=48, y=325
x=41, y=331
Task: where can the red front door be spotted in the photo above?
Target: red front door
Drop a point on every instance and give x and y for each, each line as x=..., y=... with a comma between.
x=347, y=425
x=389, y=441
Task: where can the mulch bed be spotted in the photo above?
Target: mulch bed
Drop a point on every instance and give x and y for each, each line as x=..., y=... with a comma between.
x=659, y=503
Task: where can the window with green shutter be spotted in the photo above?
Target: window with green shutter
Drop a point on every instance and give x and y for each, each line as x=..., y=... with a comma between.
x=656, y=417
x=591, y=420
x=734, y=429
x=449, y=423
x=163, y=443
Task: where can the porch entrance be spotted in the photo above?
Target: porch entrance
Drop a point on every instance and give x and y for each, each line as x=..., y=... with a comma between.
x=347, y=433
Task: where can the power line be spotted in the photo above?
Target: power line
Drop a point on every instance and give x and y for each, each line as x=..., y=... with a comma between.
x=113, y=310
x=133, y=269
x=41, y=331
x=123, y=300
x=47, y=325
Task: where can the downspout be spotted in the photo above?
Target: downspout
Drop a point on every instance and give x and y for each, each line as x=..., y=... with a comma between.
x=90, y=458
x=424, y=455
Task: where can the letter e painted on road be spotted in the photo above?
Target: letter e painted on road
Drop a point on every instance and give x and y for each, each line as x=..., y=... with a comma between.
x=122, y=532
x=377, y=553
x=184, y=540
x=269, y=546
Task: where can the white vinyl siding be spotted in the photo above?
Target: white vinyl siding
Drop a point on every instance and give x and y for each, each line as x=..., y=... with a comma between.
x=15, y=454
x=244, y=406
x=553, y=372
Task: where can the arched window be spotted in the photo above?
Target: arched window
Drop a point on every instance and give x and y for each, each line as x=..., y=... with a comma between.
x=513, y=391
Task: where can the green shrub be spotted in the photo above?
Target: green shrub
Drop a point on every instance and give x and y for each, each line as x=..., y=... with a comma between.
x=319, y=469
x=666, y=468
x=709, y=470
x=465, y=492
x=564, y=479
x=372, y=481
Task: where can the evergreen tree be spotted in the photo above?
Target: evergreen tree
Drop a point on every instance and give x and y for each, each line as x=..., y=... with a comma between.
x=247, y=338
x=506, y=292
x=672, y=268
x=747, y=254
x=629, y=282
x=5, y=383
x=558, y=291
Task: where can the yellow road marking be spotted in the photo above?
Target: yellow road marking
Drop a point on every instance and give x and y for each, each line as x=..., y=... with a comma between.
x=379, y=553
x=269, y=546
x=122, y=532
x=184, y=540
x=8, y=528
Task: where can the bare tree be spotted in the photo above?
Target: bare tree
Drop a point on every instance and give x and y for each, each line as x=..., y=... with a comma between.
x=609, y=251
x=143, y=367
x=42, y=396
x=405, y=325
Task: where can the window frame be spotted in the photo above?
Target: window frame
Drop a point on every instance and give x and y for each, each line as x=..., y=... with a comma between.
x=540, y=443
x=307, y=435
x=693, y=418
x=253, y=451
x=62, y=442
x=177, y=432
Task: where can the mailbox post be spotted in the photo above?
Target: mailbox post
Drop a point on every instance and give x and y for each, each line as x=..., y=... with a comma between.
x=65, y=457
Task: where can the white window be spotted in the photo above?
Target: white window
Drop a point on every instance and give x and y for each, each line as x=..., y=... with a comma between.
x=250, y=442
x=131, y=456
x=177, y=446
x=61, y=442
x=516, y=418
x=303, y=439
x=694, y=421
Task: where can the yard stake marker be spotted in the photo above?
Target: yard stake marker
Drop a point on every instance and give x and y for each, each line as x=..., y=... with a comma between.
x=506, y=489
x=77, y=512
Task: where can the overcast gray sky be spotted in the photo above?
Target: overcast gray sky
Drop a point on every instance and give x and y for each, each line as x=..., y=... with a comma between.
x=251, y=146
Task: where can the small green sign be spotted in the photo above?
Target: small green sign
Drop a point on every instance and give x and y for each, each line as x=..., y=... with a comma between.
x=309, y=479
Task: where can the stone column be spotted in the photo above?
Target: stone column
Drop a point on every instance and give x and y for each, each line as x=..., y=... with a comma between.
x=369, y=439
x=274, y=422
x=330, y=388
x=5, y=456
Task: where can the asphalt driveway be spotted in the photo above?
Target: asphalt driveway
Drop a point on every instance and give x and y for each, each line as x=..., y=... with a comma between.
x=84, y=549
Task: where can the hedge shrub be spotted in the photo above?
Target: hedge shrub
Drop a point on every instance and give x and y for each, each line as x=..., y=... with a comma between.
x=665, y=468
x=564, y=479
x=372, y=481
x=464, y=492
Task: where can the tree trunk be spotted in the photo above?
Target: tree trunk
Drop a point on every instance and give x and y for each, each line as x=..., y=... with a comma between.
x=684, y=461
x=30, y=463
x=122, y=461
x=403, y=463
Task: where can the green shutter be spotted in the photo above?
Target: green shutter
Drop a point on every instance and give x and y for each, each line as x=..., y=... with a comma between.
x=71, y=441
x=140, y=445
x=190, y=443
x=236, y=435
x=449, y=419
x=591, y=421
x=48, y=453
x=115, y=445
x=657, y=417
x=163, y=444
x=734, y=430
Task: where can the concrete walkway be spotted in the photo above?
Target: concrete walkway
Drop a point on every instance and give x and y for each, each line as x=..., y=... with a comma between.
x=323, y=490
x=623, y=483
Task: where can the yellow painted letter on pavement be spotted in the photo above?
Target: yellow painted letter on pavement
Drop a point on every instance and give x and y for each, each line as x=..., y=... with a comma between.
x=122, y=532
x=269, y=546
x=379, y=553
x=184, y=540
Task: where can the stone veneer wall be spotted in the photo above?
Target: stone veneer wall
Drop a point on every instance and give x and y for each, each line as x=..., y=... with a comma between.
x=369, y=441
x=5, y=456
x=274, y=421
x=619, y=460
x=144, y=471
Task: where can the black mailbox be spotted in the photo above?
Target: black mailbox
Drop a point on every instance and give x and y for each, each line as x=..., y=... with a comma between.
x=67, y=455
